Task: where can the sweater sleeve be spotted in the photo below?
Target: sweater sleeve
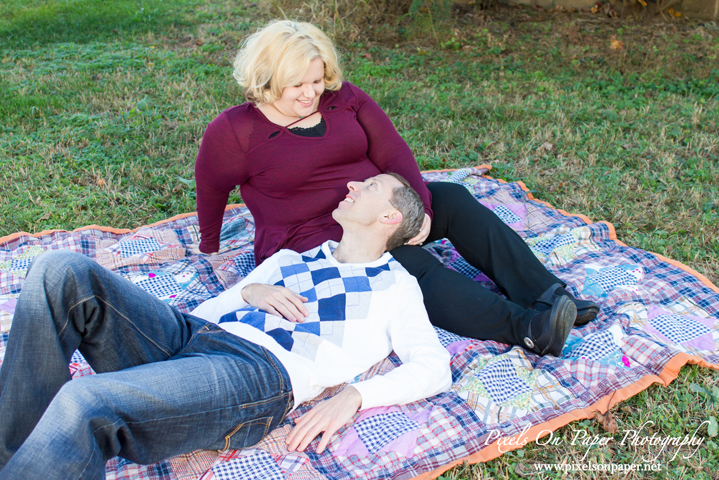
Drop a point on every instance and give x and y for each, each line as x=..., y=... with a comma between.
x=386, y=148
x=218, y=170
x=425, y=362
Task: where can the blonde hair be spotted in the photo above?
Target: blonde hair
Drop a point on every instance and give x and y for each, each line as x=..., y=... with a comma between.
x=278, y=55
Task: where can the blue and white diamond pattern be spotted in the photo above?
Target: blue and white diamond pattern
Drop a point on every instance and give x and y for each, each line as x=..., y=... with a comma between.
x=679, y=328
x=500, y=380
x=506, y=215
x=139, y=246
x=335, y=294
x=379, y=430
x=594, y=347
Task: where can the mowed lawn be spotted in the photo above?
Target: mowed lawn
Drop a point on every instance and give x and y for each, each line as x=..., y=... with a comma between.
x=103, y=106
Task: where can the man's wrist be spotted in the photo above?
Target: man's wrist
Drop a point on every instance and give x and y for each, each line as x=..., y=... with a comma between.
x=244, y=293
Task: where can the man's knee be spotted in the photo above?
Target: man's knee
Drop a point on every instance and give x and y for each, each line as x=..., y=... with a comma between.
x=56, y=264
x=78, y=402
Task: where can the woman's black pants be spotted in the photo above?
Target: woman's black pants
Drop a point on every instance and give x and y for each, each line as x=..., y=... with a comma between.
x=454, y=301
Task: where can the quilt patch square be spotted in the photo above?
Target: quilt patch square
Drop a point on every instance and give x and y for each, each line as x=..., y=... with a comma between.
x=379, y=430
x=506, y=215
x=678, y=328
x=160, y=286
x=260, y=466
x=136, y=247
x=501, y=381
x=596, y=346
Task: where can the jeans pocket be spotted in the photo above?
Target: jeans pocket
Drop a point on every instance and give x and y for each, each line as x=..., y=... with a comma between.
x=248, y=433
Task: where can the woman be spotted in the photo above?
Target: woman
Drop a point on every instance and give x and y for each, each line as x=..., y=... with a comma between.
x=303, y=134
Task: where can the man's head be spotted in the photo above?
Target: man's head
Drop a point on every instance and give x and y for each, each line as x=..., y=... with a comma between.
x=386, y=204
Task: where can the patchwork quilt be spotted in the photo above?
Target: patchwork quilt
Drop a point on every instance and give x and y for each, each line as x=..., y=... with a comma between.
x=656, y=315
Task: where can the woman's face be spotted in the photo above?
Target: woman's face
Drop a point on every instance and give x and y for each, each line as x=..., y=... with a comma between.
x=303, y=99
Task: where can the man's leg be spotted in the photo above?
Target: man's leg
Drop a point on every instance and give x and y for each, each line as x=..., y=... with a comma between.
x=219, y=392
x=69, y=302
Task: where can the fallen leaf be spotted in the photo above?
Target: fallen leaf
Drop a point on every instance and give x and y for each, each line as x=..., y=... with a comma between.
x=547, y=146
x=100, y=182
x=628, y=409
x=44, y=217
x=616, y=44
x=607, y=421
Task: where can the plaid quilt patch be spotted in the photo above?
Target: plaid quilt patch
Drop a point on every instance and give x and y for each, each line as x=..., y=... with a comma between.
x=650, y=311
x=379, y=430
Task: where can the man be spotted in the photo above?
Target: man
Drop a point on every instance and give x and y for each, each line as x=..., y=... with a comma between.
x=170, y=383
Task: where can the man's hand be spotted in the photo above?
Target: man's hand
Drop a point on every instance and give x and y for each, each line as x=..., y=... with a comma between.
x=326, y=417
x=423, y=232
x=276, y=300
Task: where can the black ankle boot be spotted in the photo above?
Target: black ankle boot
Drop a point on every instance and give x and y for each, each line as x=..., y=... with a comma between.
x=586, y=310
x=549, y=330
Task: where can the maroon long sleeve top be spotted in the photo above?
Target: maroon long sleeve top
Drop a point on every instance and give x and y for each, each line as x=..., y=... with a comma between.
x=292, y=183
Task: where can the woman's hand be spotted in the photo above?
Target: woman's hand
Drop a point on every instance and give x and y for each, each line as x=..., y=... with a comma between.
x=195, y=249
x=276, y=300
x=326, y=418
x=423, y=232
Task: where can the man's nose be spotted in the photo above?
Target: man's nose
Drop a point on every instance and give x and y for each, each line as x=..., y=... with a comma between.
x=353, y=186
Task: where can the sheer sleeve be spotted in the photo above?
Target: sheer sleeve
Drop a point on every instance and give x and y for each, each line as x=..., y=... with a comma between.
x=218, y=170
x=386, y=148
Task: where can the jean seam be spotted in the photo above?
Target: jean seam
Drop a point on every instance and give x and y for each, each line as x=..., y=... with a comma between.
x=118, y=312
x=89, y=461
x=266, y=420
x=290, y=395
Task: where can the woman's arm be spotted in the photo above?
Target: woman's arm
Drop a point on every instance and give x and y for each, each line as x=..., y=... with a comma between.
x=218, y=170
x=386, y=148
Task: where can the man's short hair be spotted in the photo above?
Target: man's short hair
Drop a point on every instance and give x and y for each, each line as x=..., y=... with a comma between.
x=407, y=201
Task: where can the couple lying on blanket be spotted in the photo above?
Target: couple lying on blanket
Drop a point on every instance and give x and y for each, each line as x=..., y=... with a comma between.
x=225, y=376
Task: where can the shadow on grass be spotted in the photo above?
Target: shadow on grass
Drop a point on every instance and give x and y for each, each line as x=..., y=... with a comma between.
x=24, y=23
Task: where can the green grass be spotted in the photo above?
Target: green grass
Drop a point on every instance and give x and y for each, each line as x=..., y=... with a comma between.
x=103, y=105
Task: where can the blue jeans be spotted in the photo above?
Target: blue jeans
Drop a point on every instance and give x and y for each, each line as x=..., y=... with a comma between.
x=167, y=383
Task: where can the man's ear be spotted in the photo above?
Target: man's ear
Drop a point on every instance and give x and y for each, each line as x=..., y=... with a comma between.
x=391, y=218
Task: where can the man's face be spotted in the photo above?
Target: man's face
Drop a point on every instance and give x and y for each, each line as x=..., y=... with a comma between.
x=367, y=202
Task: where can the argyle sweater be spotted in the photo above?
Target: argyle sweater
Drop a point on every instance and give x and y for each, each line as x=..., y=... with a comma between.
x=359, y=313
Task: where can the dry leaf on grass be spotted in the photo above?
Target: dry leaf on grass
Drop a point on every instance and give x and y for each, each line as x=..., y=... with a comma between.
x=607, y=421
x=616, y=44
